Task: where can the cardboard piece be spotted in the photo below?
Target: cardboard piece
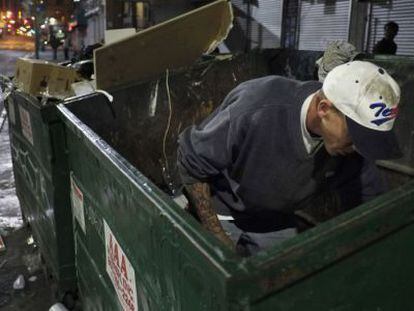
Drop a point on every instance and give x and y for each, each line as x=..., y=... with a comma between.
x=115, y=35
x=39, y=77
x=169, y=45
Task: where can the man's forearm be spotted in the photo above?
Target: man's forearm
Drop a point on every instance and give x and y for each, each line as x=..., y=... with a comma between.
x=201, y=201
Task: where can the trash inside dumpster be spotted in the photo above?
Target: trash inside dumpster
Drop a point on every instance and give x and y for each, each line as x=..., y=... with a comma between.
x=137, y=249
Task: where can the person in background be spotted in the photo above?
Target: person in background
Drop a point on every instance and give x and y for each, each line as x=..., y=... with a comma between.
x=387, y=45
x=66, y=46
x=54, y=43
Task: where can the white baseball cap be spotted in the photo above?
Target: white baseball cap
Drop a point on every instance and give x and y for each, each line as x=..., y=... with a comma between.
x=368, y=97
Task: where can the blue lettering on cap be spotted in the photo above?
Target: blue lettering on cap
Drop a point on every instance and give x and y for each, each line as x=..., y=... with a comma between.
x=383, y=113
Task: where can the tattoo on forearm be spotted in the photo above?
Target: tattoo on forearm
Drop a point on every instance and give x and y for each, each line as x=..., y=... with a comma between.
x=200, y=195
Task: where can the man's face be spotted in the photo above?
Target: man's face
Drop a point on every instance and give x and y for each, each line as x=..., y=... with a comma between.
x=334, y=131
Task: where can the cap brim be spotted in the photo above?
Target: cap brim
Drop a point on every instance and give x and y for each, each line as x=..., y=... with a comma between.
x=374, y=145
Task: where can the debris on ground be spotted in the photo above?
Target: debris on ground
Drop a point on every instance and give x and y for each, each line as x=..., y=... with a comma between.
x=30, y=240
x=33, y=278
x=19, y=283
x=37, y=294
x=58, y=307
x=33, y=262
x=3, y=263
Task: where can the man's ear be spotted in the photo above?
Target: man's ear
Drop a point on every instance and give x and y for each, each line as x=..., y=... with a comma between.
x=324, y=107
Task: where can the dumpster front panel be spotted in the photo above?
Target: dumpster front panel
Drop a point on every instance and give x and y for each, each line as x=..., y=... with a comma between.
x=380, y=277
x=175, y=266
x=38, y=155
x=332, y=255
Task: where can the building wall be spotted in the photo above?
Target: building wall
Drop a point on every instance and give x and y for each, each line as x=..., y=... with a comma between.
x=95, y=32
x=261, y=22
x=322, y=22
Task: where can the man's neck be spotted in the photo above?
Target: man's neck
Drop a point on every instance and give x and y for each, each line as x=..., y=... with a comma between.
x=312, y=120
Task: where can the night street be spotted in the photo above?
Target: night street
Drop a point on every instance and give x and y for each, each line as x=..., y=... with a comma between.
x=206, y=155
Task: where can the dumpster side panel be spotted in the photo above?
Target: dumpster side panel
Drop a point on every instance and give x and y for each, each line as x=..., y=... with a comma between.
x=170, y=271
x=380, y=277
x=33, y=174
x=41, y=178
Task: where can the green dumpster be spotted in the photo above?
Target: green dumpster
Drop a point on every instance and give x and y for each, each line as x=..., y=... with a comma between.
x=37, y=144
x=136, y=249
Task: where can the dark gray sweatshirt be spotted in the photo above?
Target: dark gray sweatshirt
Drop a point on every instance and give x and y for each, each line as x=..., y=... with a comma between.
x=251, y=152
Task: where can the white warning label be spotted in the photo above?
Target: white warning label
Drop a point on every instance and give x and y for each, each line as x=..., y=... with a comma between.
x=120, y=271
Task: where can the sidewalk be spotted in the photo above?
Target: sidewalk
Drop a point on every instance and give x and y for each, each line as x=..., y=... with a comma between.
x=48, y=55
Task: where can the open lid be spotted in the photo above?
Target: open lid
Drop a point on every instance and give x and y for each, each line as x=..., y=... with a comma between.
x=170, y=45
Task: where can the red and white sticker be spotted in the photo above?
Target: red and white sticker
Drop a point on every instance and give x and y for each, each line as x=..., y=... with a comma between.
x=76, y=197
x=26, y=124
x=120, y=271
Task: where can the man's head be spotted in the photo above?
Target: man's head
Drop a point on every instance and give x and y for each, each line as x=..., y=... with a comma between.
x=331, y=126
x=390, y=30
x=357, y=109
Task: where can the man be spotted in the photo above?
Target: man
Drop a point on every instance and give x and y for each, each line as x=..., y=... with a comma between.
x=387, y=44
x=54, y=43
x=275, y=145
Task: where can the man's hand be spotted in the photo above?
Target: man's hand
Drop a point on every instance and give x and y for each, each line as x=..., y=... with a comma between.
x=201, y=201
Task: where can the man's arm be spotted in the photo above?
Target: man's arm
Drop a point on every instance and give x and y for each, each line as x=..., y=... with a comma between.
x=204, y=151
x=201, y=201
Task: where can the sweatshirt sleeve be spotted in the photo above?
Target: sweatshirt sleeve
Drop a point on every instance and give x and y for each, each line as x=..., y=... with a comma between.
x=204, y=151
